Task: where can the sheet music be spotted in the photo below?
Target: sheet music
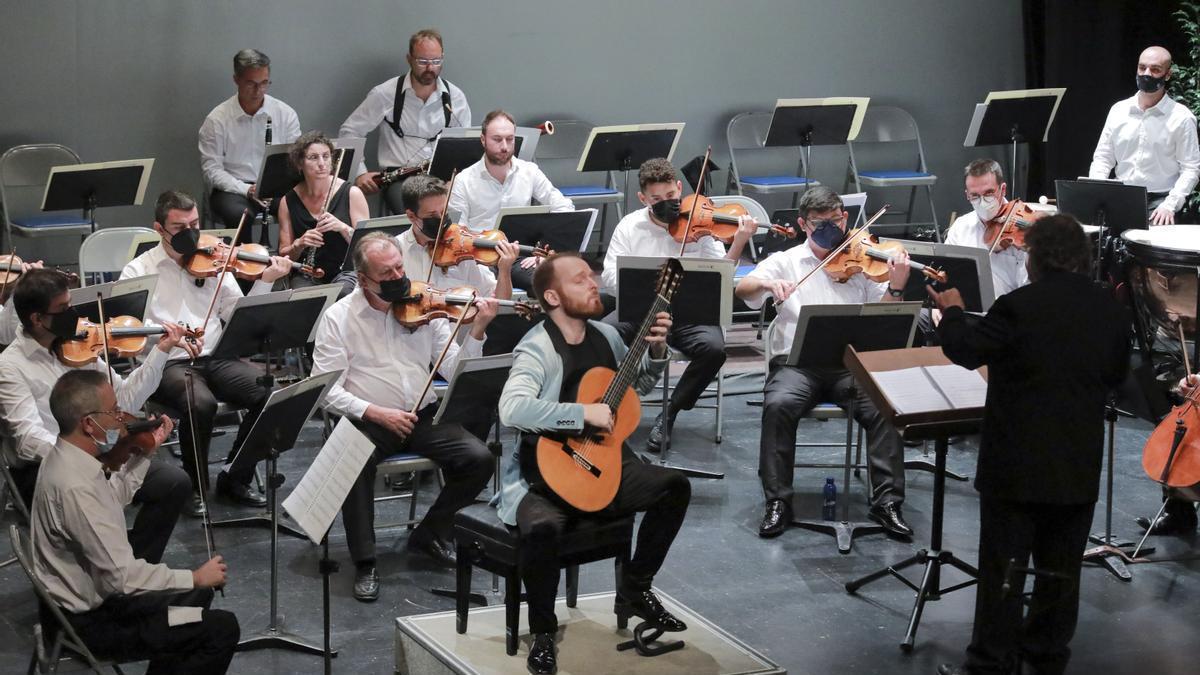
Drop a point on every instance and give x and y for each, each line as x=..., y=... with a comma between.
x=963, y=388
x=911, y=390
x=318, y=497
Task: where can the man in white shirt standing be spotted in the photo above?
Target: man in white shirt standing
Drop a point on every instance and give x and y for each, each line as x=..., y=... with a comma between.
x=384, y=368
x=234, y=136
x=1150, y=139
x=123, y=604
x=410, y=112
x=790, y=391
x=644, y=233
x=987, y=193
x=181, y=298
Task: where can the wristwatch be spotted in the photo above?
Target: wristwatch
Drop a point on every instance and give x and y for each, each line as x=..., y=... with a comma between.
x=896, y=292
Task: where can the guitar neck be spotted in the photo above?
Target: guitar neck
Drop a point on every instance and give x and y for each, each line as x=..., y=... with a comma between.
x=630, y=366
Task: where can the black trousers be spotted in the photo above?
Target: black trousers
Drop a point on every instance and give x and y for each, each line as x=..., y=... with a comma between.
x=661, y=493
x=227, y=209
x=161, y=497
x=703, y=345
x=214, y=380
x=134, y=627
x=392, y=198
x=789, y=394
x=1009, y=532
x=466, y=464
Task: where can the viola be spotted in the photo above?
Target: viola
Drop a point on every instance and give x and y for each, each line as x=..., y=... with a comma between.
x=125, y=336
x=710, y=220
x=457, y=244
x=868, y=256
x=426, y=303
x=1009, y=226
x=249, y=261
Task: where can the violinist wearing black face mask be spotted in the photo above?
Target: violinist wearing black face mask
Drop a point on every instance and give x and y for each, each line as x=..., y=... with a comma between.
x=1150, y=140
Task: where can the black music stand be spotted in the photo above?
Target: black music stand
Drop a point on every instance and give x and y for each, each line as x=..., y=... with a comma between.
x=475, y=386
x=276, y=176
x=1109, y=205
x=823, y=333
x=125, y=297
x=267, y=324
x=561, y=230
x=275, y=432
x=805, y=122
x=968, y=269
x=87, y=187
x=706, y=278
x=1012, y=117
x=625, y=148
x=936, y=425
x=454, y=154
x=391, y=225
x=353, y=148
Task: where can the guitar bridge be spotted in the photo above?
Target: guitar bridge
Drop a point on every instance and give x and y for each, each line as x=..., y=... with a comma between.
x=580, y=460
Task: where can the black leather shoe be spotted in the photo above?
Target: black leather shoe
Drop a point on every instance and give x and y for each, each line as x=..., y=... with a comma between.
x=366, y=584
x=952, y=669
x=888, y=515
x=655, y=441
x=1169, y=524
x=238, y=493
x=194, y=507
x=542, y=659
x=776, y=518
x=646, y=606
x=441, y=552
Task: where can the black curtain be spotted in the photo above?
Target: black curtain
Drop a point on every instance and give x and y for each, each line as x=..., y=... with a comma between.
x=1090, y=47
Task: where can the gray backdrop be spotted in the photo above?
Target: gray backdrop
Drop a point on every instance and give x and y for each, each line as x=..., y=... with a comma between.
x=117, y=80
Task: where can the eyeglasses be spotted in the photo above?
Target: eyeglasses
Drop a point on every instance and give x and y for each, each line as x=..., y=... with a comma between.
x=318, y=158
x=115, y=413
x=428, y=63
x=975, y=197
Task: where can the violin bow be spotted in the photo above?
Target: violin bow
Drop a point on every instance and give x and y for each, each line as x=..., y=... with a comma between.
x=441, y=229
x=206, y=519
x=12, y=254
x=224, y=268
x=104, y=339
x=441, y=357
x=696, y=201
x=850, y=237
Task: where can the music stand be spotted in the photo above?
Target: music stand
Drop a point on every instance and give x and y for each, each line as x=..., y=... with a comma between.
x=1109, y=205
x=823, y=332
x=947, y=417
x=454, y=152
x=560, y=230
x=805, y=122
x=265, y=324
x=354, y=147
x=274, y=432
x=125, y=297
x=967, y=268
x=1012, y=117
x=276, y=175
x=625, y=147
x=391, y=225
x=707, y=278
x=92, y=186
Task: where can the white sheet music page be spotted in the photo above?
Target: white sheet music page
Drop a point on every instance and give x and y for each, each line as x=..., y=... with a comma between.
x=318, y=497
x=910, y=391
x=963, y=388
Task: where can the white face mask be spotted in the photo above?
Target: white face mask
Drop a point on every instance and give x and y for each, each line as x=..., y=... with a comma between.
x=111, y=436
x=986, y=207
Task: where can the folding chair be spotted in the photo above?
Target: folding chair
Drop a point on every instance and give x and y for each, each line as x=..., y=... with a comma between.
x=105, y=252
x=748, y=131
x=567, y=143
x=889, y=125
x=36, y=235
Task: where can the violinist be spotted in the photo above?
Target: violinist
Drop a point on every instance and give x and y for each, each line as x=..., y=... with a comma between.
x=383, y=367
x=791, y=391
x=9, y=323
x=181, y=298
x=317, y=216
x=28, y=370
x=1054, y=349
x=645, y=233
x=1179, y=514
x=987, y=193
x=117, y=595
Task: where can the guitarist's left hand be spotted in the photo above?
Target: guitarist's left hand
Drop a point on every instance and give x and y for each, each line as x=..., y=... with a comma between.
x=658, y=335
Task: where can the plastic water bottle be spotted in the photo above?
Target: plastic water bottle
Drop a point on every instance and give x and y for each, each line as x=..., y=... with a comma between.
x=829, y=508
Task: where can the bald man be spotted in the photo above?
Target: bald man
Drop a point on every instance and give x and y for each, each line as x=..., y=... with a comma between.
x=1150, y=140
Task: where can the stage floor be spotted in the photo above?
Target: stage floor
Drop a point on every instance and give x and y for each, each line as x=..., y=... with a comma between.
x=783, y=597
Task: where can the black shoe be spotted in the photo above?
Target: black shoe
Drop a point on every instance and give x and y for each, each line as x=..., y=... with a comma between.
x=194, y=507
x=646, y=606
x=366, y=584
x=238, y=493
x=655, y=441
x=441, y=552
x=542, y=660
x=888, y=515
x=1169, y=524
x=776, y=518
x=952, y=669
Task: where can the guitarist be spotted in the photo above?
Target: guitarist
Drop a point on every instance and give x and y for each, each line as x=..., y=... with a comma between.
x=547, y=365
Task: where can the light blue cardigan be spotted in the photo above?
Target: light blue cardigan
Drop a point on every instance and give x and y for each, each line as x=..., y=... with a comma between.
x=530, y=401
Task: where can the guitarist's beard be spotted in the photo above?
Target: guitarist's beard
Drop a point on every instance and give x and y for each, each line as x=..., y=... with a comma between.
x=589, y=307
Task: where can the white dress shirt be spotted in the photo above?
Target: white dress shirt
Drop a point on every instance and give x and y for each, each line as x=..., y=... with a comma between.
x=382, y=362
x=28, y=371
x=1155, y=148
x=466, y=273
x=478, y=196
x=637, y=235
x=819, y=289
x=1008, y=266
x=9, y=323
x=81, y=550
x=232, y=143
x=178, y=299
x=419, y=120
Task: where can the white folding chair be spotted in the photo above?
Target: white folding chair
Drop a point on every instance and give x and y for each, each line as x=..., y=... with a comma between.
x=107, y=251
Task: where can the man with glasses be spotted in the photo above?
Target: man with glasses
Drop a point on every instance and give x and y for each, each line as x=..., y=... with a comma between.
x=415, y=108
x=235, y=134
x=987, y=193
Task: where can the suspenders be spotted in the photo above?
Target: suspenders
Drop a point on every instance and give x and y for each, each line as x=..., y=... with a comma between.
x=398, y=107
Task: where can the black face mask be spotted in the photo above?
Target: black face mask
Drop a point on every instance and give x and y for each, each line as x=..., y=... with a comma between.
x=185, y=241
x=395, y=290
x=1150, y=84
x=63, y=324
x=666, y=211
x=430, y=226
x=827, y=234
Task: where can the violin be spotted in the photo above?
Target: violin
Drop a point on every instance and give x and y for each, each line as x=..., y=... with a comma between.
x=426, y=303
x=139, y=436
x=457, y=244
x=867, y=255
x=124, y=335
x=249, y=260
x=1009, y=226
x=11, y=269
x=710, y=220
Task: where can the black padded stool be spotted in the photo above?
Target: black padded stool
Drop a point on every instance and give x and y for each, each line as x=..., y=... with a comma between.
x=483, y=540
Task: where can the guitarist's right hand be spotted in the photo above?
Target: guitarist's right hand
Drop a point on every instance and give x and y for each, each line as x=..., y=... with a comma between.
x=598, y=416
x=399, y=422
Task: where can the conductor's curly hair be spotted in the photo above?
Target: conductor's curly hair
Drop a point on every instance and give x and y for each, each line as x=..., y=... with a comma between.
x=1057, y=244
